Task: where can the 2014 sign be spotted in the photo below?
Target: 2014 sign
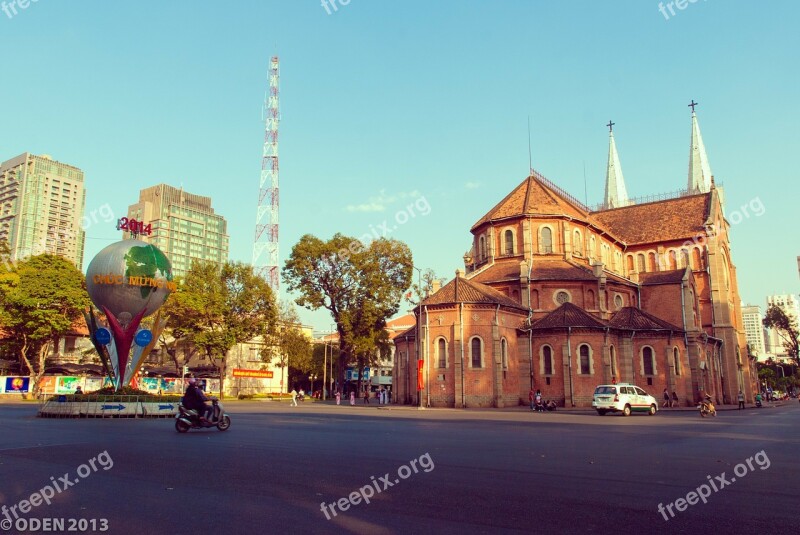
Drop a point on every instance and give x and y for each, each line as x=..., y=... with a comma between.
x=134, y=227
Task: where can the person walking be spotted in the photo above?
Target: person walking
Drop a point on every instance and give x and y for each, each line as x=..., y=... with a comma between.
x=675, y=399
x=352, y=397
x=740, y=397
x=531, y=395
x=366, y=397
x=294, y=398
x=338, y=397
x=666, y=399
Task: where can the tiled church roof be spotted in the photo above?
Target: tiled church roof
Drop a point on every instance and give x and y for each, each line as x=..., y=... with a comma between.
x=674, y=276
x=568, y=315
x=543, y=270
x=532, y=197
x=668, y=220
x=461, y=290
x=632, y=318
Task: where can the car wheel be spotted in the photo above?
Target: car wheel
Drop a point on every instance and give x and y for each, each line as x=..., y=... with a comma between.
x=652, y=410
x=626, y=411
x=601, y=412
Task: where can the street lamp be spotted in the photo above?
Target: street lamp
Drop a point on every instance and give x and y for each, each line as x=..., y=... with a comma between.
x=419, y=331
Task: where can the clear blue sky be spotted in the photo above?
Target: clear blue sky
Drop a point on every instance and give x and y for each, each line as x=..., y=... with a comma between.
x=385, y=101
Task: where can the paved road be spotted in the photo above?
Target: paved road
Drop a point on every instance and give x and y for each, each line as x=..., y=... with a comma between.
x=487, y=471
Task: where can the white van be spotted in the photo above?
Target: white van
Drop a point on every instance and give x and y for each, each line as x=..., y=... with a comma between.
x=624, y=398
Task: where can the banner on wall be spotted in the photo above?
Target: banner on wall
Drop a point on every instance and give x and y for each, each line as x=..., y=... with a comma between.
x=420, y=372
x=17, y=385
x=47, y=385
x=93, y=383
x=67, y=385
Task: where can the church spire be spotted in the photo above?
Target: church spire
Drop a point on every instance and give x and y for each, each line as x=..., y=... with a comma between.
x=616, y=194
x=700, y=177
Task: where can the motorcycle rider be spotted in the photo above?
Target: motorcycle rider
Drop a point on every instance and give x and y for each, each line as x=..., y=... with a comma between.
x=709, y=405
x=195, y=399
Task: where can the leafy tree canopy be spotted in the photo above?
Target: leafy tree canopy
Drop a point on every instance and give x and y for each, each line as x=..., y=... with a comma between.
x=217, y=307
x=42, y=297
x=787, y=330
x=361, y=285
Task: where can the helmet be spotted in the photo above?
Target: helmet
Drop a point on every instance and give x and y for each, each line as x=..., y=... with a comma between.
x=192, y=380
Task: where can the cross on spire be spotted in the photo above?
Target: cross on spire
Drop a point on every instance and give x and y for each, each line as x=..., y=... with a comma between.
x=693, y=104
x=610, y=126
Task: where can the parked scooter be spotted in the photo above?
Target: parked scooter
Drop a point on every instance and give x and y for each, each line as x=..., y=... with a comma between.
x=189, y=419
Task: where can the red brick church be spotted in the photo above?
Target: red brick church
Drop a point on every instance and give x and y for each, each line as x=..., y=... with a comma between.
x=559, y=297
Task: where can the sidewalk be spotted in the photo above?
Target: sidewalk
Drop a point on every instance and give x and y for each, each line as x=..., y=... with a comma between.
x=526, y=408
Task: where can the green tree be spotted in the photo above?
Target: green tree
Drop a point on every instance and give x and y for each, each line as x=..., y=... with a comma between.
x=423, y=286
x=361, y=285
x=217, y=307
x=42, y=297
x=787, y=330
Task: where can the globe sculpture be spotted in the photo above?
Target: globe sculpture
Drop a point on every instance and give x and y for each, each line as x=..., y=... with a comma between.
x=128, y=281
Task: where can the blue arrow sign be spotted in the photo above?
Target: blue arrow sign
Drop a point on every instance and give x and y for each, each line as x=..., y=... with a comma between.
x=110, y=407
x=166, y=407
x=103, y=336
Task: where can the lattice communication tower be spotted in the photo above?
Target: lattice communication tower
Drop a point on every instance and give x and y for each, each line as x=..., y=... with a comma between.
x=265, y=246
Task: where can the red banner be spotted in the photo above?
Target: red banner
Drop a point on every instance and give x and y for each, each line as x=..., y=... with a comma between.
x=258, y=374
x=420, y=371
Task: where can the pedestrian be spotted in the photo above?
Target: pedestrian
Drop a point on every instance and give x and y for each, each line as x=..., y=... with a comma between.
x=531, y=395
x=294, y=398
x=352, y=397
x=666, y=398
x=366, y=397
x=79, y=390
x=675, y=399
x=388, y=396
x=338, y=397
x=740, y=397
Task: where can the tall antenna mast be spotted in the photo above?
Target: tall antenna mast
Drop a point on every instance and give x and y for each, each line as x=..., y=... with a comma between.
x=265, y=246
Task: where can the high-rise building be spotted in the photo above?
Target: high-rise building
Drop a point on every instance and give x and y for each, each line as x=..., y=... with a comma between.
x=754, y=329
x=788, y=303
x=41, y=207
x=183, y=225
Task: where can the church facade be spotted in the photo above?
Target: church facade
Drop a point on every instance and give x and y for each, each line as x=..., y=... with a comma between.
x=557, y=297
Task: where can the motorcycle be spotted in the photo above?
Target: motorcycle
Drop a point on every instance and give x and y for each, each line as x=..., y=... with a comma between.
x=758, y=403
x=706, y=408
x=189, y=419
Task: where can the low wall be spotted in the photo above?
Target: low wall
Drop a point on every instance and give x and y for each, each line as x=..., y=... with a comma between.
x=86, y=407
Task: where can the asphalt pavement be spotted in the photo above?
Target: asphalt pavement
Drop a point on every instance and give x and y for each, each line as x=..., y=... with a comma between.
x=421, y=471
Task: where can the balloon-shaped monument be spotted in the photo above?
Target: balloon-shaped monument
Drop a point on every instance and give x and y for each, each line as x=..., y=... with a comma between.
x=128, y=281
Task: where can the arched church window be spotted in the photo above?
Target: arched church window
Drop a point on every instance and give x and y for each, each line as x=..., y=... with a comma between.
x=509, y=242
x=547, y=240
x=648, y=364
x=640, y=260
x=585, y=359
x=482, y=248
x=577, y=243
x=547, y=360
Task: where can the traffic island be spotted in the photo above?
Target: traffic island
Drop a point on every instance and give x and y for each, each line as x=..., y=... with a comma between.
x=102, y=404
